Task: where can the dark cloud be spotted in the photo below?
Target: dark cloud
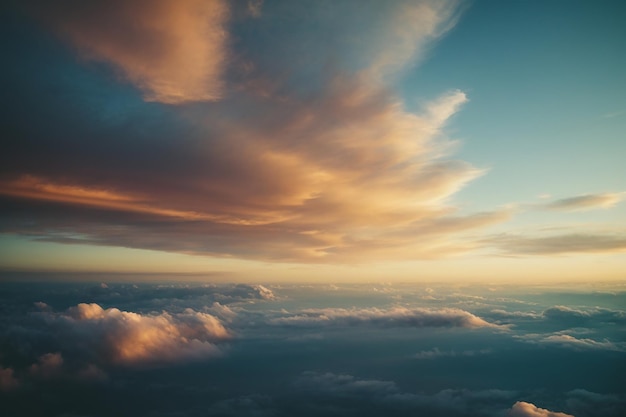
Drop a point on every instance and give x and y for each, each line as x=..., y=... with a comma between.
x=585, y=403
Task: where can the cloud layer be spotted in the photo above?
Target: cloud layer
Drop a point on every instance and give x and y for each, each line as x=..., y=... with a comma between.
x=394, y=317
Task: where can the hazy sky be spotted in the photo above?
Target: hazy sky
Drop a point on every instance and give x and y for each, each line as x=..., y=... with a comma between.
x=315, y=139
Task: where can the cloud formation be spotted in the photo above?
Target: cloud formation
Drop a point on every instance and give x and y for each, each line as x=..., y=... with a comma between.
x=393, y=317
x=174, y=52
x=386, y=396
x=343, y=172
x=524, y=409
x=586, y=202
x=436, y=353
x=127, y=338
x=560, y=244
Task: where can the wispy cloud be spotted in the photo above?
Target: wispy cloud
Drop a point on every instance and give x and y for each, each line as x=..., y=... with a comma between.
x=560, y=244
x=586, y=202
x=173, y=51
x=565, y=340
x=394, y=317
x=436, y=353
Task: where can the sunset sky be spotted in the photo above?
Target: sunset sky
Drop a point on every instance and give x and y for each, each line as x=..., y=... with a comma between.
x=315, y=140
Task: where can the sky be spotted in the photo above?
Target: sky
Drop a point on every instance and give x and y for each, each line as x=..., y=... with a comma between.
x=258, y=141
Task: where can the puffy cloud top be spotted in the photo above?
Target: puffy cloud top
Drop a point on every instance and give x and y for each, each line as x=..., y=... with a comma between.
x=124, y=337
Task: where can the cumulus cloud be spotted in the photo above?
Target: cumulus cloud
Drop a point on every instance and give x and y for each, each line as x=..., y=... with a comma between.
x=393, y=317
x=524, y=409
x=173, y=51
x=586, y=202
x=127, y=338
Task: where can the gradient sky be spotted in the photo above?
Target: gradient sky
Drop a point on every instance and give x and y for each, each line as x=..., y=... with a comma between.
x=278, y=140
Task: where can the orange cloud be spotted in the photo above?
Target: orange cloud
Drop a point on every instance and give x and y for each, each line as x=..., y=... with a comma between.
x=346, y=173
x=174, y=51
x=524, y=409
x=131, y=338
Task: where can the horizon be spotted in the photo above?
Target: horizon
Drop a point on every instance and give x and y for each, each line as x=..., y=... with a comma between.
x=278, y=208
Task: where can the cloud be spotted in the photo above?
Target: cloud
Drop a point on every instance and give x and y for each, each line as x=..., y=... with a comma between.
x=342, y=172
x=524, y=409
x=248, y=405
x=254, y=8
x=8, y=381
x=48, y=366
x=173, y=51
x=412, y=26
x=586, y=202
x=585, y=403
x=436, y=353
x=394, y=317
x=567, y=341
x=366, y=395
x=344, y=384
x=560, y=244
x=127, y=338
x=499, y=313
